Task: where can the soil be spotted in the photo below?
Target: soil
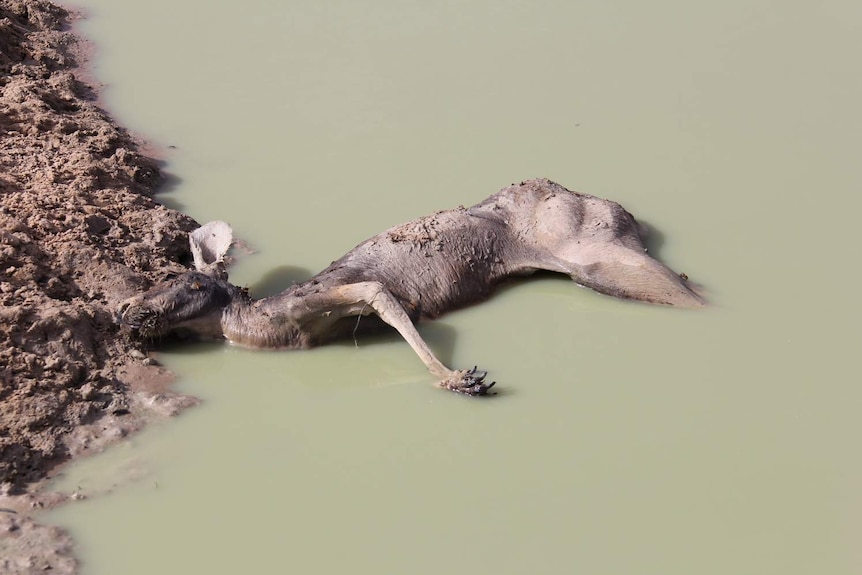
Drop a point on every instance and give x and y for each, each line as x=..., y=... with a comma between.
x=80, y=231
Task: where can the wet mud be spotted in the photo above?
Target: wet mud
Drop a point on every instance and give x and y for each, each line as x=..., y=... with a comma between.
x=80, y=230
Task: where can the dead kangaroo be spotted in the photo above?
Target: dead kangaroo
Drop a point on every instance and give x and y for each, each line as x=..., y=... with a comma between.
x=418, y=270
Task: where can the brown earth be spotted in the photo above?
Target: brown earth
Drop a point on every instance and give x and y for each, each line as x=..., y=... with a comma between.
x=79, y=232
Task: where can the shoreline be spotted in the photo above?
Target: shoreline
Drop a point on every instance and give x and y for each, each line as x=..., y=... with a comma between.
x=80, y=231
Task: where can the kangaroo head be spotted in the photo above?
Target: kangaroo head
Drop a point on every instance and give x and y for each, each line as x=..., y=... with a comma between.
x=192, y=301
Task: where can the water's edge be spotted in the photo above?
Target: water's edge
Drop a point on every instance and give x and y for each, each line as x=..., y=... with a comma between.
x=109, y=389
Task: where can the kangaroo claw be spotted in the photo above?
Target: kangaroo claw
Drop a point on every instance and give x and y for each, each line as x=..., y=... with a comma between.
x=468, y=382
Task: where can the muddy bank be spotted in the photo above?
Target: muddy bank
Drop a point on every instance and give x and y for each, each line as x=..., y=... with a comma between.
x=79, y=231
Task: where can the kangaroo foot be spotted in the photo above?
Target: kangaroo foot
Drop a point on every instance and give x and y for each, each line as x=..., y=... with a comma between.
x=468, y=382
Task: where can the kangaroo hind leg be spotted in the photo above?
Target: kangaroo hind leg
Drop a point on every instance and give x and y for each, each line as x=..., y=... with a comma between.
x=600, y=245
x=622, y=271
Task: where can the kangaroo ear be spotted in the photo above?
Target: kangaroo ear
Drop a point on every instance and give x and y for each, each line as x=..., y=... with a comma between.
x=209, y=244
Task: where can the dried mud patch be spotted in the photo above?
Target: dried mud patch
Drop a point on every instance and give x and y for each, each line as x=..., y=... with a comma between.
x=79, y=232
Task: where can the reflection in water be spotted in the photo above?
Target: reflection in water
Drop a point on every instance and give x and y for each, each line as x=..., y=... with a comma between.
x=629, y=439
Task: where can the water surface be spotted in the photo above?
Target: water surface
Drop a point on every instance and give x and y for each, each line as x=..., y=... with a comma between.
x=626, y=438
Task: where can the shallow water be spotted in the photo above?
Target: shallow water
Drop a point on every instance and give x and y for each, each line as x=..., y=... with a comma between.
x=626, y=438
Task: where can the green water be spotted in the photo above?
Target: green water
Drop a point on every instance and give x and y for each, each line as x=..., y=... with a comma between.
x=626, y=438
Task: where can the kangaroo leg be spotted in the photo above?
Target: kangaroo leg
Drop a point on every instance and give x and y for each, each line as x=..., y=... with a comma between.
x=594, y=241
x=361, y=298
x=622, y=271
x=600, y=246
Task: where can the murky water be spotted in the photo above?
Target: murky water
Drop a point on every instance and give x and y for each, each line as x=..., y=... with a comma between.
x=626, y=439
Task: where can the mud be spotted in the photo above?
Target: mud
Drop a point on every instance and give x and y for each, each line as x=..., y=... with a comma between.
x=80, y=231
